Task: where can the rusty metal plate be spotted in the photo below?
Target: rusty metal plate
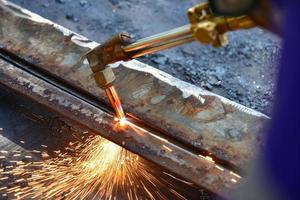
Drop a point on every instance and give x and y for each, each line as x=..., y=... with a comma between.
x=197, y=169
x=197, y=118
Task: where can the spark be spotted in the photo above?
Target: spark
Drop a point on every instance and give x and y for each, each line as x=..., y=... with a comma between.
x=174, y=177
x=236, y=175
x=100, y=169
x=234, y=180
x=219, y=168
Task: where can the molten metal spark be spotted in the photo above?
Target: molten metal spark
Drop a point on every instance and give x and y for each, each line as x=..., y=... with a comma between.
x=98, y=170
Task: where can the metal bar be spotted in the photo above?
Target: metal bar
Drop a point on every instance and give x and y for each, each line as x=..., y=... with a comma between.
x=159, y=38
x=201, y=120
x=28, y=126
x=197, y=169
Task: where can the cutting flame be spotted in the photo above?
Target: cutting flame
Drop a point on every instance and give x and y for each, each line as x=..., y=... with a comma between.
x=115, y=102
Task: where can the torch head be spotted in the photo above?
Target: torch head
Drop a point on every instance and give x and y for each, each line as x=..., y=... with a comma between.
x=99, y=59
x=109, y=52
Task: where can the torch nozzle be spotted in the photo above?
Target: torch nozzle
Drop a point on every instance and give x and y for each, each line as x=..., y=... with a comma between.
x=115, y=102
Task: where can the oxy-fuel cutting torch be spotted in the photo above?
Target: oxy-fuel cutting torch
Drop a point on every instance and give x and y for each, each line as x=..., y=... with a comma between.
x=209, y=23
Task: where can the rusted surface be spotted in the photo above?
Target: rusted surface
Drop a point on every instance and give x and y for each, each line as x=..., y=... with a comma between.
x=192, y=167
x=195, y=117
x=37, y=134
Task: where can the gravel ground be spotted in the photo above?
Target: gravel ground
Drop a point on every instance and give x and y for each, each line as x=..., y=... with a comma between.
x=244, y=71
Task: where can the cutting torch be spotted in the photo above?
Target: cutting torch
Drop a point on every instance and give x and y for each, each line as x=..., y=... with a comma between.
x=207, y=25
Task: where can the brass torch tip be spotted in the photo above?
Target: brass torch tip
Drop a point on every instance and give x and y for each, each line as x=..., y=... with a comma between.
x=115, y=102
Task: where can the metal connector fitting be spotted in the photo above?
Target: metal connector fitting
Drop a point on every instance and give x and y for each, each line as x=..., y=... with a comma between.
x=109, y=52
x=105, y=78
x=205, y=32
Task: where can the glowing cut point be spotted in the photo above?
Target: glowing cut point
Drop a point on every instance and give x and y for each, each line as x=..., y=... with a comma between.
x=123, y=121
